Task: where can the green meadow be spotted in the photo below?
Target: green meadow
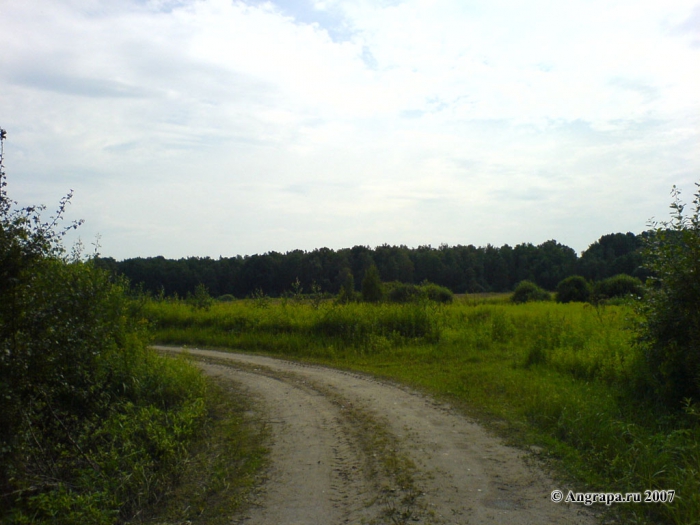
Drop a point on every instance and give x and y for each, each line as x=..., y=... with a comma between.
x=565, y=378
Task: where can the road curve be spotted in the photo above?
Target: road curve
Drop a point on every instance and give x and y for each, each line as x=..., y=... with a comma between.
x=348, y=448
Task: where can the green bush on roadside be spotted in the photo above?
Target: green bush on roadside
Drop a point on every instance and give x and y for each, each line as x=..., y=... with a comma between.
x=669, y=333
x=93, y=424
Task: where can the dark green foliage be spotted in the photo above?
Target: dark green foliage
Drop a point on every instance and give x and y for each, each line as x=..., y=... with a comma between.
x=610, y=255
x=574, y=289
x=618, y=286
x=459, y=268
x=434, y=292
x=92, y=424
x=372, y=289
x=670, y=332
x=527, y=291
x=347, y=290
x=226, y=298
x=200, y=299
x=397, y=292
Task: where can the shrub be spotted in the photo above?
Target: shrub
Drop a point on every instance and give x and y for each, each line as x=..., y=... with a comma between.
x=669, y=334
x=372, y=290
x=620, y=285
x=347, y=289
x=226, y=298
x=93, y=424
x=436, y=293
x=527, y=291
x=200, y=299
x=397, y=292
x=573, y=289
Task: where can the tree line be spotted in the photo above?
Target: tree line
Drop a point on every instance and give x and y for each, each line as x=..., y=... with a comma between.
x=462, y=269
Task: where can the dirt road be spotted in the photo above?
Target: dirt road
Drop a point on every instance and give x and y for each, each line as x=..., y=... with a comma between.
x=347, y=448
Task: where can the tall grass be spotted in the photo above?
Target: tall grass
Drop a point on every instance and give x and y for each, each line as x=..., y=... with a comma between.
x=564, y=376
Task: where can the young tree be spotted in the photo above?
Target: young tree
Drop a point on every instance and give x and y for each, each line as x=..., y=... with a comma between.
x=347, y=293
x=372, y=290
x=670, y=331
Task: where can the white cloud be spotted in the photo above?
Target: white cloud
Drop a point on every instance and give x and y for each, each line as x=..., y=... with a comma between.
x=212, y=127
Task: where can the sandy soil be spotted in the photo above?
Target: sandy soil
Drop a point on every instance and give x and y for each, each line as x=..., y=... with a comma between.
x=347, y=448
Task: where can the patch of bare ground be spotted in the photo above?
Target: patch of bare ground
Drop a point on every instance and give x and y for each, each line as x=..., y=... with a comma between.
x=347, y=448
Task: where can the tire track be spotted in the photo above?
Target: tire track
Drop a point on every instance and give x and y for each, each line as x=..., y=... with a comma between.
x=351, y=449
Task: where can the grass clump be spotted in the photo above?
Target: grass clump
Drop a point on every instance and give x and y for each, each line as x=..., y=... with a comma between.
x=221, y=472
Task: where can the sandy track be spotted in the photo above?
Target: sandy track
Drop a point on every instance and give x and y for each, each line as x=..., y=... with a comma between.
x=347, y=448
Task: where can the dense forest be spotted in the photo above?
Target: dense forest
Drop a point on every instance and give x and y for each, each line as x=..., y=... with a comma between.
x=462, y=269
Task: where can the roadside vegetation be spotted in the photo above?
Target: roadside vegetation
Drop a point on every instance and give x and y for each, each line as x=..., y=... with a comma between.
x=94, y=427
x=607, y=388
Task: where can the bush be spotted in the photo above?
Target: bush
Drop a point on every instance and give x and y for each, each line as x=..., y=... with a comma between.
x=396, y=292
x=527, y=291
x=93, y=424
x=669, y=334
x=347, y=289
x=573, y=289
x=618, y=286
x=436, y=293
x=200, y=299
x=372, y=290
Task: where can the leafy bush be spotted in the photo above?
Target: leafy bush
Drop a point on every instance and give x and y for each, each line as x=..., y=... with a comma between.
x=397, y=292
x=620, y=285
x=437, y=293
x=200, y=299
x=93, y=423
x=372, y=290
x=669, y=334
x=573, y=289
x=527, y=291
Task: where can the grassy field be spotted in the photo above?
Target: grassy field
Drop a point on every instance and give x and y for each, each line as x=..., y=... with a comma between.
x=563, y=377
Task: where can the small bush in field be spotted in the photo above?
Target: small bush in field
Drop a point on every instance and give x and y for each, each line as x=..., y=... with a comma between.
x=574, y=289
x=397, y=292
x=437, y=293
x=621, y=285
x=200, y=299
x=347, y=289
x=372, y=289
x=226, y=298
x=527, y=291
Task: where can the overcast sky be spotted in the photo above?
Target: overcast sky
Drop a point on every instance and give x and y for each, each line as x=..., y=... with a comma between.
x=219, y=127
